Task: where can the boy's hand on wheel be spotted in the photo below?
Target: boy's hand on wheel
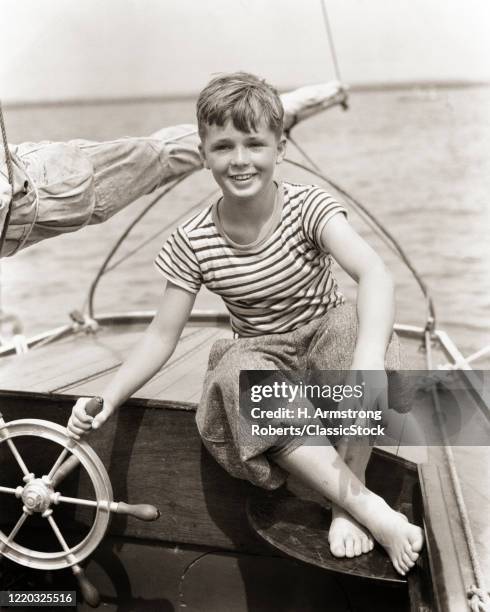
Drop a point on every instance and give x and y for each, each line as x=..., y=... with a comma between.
x=80, y=422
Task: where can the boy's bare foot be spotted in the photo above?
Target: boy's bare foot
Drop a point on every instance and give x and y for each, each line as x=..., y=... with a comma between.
x=322, y=468
x=401, y=540
x=346, y=537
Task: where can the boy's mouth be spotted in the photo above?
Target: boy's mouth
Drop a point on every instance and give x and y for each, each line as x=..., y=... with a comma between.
x=242, y=178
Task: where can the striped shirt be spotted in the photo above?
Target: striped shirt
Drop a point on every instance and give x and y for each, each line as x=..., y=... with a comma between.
x=281, y=281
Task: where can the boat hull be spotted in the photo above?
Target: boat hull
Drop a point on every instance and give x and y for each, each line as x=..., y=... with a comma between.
x=153, y=454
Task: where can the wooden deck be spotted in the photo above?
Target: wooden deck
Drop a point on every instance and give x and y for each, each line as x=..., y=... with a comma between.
x=82, y=365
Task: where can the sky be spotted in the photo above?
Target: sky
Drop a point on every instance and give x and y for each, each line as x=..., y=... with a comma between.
x=84, y=49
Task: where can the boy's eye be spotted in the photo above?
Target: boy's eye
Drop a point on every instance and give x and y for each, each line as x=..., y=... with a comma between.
x=221, y=147
x=256, y=144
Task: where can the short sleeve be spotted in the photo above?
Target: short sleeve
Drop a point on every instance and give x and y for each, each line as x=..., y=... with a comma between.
x=177, y=262
x=317, y=209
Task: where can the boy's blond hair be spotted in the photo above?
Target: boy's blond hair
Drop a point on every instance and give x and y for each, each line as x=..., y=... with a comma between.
x=243, y=98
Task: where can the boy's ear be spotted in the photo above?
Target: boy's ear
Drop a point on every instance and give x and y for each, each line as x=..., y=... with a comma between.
x=202, y=155
x=281, y=149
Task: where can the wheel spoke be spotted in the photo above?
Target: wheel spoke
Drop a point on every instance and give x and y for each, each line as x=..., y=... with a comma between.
x=57, y=532
x=57, y=463
x=13, y=448
x=82, y=502
x=8, y=490
x=18, y=458
x=19, y=524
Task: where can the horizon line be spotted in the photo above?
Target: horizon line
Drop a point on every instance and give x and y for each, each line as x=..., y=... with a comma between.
x=153, y=98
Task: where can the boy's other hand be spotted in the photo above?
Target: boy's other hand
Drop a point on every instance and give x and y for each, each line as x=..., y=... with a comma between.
x=80, y=422
x=375, y=390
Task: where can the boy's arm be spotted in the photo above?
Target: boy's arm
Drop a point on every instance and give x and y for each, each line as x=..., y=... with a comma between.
x=150, y=353
x=375, y=296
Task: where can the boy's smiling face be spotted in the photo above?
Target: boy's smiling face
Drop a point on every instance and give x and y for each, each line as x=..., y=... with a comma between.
x=242, y=163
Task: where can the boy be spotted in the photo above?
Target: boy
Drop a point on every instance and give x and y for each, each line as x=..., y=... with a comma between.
x=266, y=249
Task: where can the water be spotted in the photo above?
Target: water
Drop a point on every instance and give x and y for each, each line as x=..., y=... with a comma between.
x=419, y=159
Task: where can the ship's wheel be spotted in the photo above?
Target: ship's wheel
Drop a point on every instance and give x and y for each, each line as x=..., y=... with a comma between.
x=39, y=494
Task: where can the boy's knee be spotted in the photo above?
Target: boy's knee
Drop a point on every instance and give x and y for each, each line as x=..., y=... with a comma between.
x=333, y=346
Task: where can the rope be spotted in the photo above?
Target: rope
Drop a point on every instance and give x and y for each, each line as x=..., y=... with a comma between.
x=479, y=600
x=386, y=236
x=10, y=173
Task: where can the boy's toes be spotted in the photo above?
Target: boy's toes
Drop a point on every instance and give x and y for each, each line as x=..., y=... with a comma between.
x=399, y=567
x=367, y=544
x=349, y=547
x=407, y=561
x=413, y=556
x=416, y=539
x=357, y=547
x=337, y=548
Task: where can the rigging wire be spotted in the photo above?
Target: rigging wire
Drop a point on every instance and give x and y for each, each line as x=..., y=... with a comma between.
x=328, y=32
x=121, y=239
x=380, y=229
x=166, y=227
x=333, y=53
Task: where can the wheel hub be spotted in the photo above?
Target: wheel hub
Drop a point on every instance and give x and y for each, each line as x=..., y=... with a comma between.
x=37, y=496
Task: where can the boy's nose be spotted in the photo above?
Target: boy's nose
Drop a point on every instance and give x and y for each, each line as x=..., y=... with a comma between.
x=240, y=157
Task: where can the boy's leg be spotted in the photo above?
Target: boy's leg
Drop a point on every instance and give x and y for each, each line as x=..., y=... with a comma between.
x=322, y=468
x=223, y=429
x=332, y=349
